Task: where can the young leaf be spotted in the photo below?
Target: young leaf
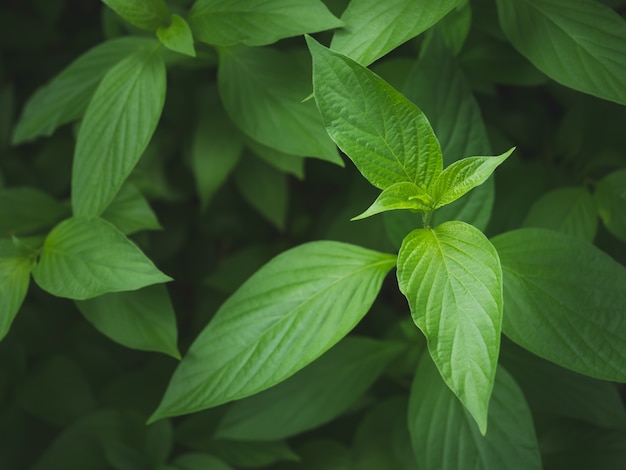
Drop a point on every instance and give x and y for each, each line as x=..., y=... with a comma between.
x=386, y=136
x=117, y=127
x=314, y=396
x=177, y=36
x=86, y=257
x=399, y=196
x=144, y=14
x=397, y=21
x=610, y=199
x=65, y=98
x=286, y=315
x=233, y=22
x=445, y=437
x=565, y=301
x=14, y=280
x=143, y=319
x=462, y=176
x=570, y=211
x=581, y=44
x=452, y=279
x=130, y=212
x=262, y=90
x=28, y=210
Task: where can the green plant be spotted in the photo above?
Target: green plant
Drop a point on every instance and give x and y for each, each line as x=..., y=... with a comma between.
x=193, y=125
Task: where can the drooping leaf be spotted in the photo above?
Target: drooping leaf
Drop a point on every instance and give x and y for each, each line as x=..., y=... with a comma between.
x=462, y=176
x=27, y=210
x=565, y=301
x=402, y=195
x=444, y=436
x=286, y=315
x=15, y=270
x=610, y=199
x=232, y=22
x=143, y=319
x=145, y=14
x=452, y=279
x=581, y=44
x=570, y=211
x=396, y=22
x=65, y=97
x=262, y=90
x=86, y=257
x=387, y=137
x=130, y=212
x=315, y=395
x=116, y=129
x=177, y=36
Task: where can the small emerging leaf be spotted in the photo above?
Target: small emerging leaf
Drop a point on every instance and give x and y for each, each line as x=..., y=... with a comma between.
x=402, y=195
x=177, y=36
x=144, y=14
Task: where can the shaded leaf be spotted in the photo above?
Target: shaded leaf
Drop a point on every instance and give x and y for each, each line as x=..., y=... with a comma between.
x=610, y=199
x=198, y=461
x=130, y=212
x=28, y=210
x=145, y=14
x=15, y=270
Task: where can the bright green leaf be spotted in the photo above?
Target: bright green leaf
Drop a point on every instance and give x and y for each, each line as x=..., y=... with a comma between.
x=143, y=319
x=452, y=279
x=66, y=97
x=580, y=44
x=402, y=195
x=14, y=280
x=396, y=21
x=87, y=257
x=610, y=199
x=445, y=437
x=317, y=394
x=262, y=90
x=144, y=14
x=130, y=212
x=565, y=301
x=28, y=210
x=286, y=315
x=570, y=211
x=177, y=36
x=232, y=22
x=462, y=176
x=117, y=127
x=386, y=136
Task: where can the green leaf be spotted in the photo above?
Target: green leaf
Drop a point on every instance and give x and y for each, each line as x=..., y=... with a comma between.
x=65, y=98
x=87, y=257
x=130, y=212
x=317, y=394
x=452, y=279
x=610, y=199
x=248, y=454
x=286, y=315
x=396, y=21
x=386, y=136
x=28, y=210
x=143, y=319
x=15, y=271
x=198, y=461
x=177, y=36
x=570, y=211
x=399, y=196
x=262, y=90
x=462, y=176
x=456, y=25
x=116, y=129
x=444, y=436
x=565, y=301
x=581, y=45
x=292, y=164
x=232, y=22
x=144, y=14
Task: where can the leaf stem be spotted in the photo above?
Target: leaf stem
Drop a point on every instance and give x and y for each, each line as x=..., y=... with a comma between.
x=426, y=218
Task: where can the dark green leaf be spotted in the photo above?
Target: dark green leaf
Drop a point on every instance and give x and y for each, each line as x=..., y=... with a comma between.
x=444, y=436
x=565, y=301
x=455, y=26
x=28, y=210
x=144, y=14
x=15, y=270
x=177, y=36
x=386, y=136
x=143, y=319
x=232, y=22
x=610, y=199
x=247, y=454
x=316, y=293
x=87, y=257
x=130, y=212
x=579, y=44
x=292, y=164
x=452, y=278
x=117, y=127
x=198, y=461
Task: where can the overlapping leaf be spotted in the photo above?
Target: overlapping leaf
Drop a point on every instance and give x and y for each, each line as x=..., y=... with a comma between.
x=177, y=36
x=15, y=270
x=145, y=14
